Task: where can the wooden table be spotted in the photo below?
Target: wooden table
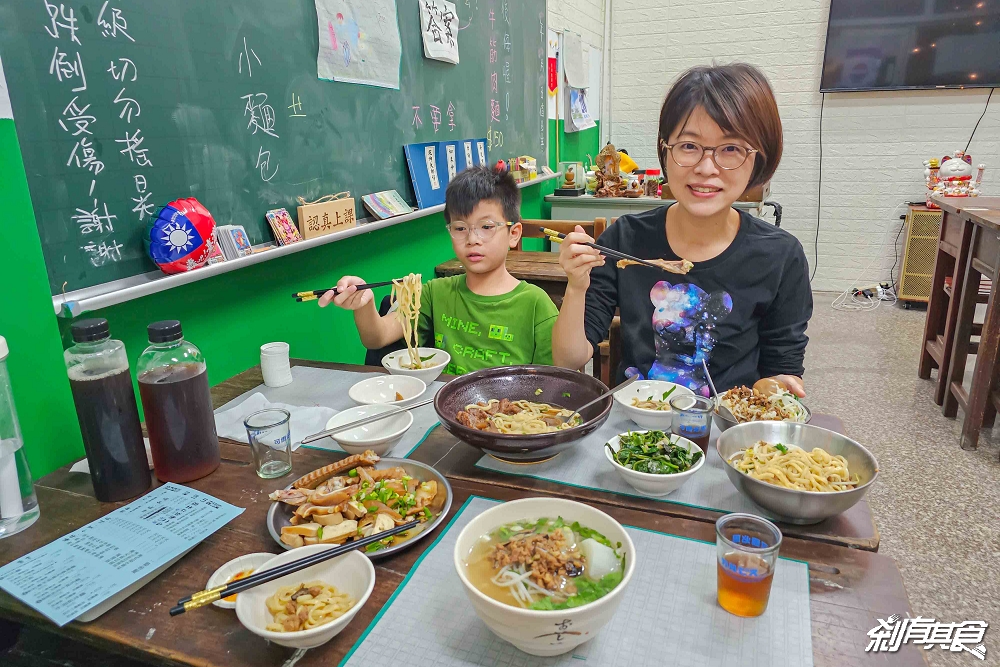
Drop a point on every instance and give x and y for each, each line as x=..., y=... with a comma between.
x=538, y=268
x=849, y=588
x=854, y=528
x=980, y=403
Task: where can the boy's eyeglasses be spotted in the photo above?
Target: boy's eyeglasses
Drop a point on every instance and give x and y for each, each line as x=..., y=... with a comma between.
x=485, y=230
x=726, y=156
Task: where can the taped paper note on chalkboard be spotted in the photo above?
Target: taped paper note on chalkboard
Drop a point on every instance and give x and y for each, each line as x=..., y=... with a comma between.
x=358, y=42
x=439, y=26
x=5, y=110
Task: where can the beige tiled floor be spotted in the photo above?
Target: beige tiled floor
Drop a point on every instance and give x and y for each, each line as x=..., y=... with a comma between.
x=937, y=507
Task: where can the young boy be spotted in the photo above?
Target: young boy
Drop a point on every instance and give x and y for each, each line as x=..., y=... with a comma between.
x=486, y=317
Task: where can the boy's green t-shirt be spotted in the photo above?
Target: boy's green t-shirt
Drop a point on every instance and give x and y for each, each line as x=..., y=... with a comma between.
x=486, y=331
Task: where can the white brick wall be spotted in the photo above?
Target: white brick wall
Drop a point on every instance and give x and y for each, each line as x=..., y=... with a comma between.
x=583, y=16
x=873, y=143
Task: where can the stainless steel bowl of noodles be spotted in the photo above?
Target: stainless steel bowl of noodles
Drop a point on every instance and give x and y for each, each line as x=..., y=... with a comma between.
x=786, y=481
x=752, y=405
x=515, y=412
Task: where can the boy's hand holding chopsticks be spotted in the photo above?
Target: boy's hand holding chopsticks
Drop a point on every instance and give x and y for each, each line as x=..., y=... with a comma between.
x=348, y=295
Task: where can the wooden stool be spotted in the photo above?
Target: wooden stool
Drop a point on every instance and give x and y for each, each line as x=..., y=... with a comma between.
x=942, y=310
x=981, y=402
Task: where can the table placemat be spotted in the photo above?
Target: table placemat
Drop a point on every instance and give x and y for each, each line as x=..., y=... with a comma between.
x=328, y=387
x=669, y=615
x=586, y=466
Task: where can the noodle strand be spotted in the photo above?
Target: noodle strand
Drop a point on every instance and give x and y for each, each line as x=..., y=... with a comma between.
x=406, y=296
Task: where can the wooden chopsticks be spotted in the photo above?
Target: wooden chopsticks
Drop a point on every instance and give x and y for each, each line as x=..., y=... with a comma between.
x=558, y=238
x=315, y=294
x=206, y=597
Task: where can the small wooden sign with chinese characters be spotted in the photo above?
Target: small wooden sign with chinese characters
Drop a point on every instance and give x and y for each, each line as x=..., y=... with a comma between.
x=326, y=215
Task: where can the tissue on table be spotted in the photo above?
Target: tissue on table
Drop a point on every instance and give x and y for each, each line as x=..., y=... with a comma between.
x=84, y=465
x=305, y=420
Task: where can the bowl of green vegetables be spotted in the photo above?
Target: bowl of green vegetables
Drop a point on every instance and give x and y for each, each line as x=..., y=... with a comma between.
x=653, y=462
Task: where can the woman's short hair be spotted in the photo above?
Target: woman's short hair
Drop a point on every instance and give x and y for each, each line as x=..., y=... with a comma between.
x=738, y=98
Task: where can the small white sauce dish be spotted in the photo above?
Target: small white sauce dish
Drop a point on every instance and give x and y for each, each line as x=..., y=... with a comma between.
x=222, y=576
x=649, y=483
x=351, y=573
x=380, y=436
x=439, y=358
x=658, y=420
x=383, y=389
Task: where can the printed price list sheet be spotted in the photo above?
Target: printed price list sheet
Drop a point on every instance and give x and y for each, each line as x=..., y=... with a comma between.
x=77, y=572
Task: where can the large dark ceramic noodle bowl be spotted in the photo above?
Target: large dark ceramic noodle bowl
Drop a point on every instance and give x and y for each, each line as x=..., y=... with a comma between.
x=559, y=387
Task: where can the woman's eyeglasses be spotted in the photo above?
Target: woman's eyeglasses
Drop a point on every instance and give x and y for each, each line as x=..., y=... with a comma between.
x=726, y=156
x=485, y=230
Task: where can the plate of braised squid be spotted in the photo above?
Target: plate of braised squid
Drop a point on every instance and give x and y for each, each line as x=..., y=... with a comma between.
x=356, y=497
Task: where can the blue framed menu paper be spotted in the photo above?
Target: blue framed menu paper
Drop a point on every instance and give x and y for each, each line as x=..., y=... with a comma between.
x=79, y=571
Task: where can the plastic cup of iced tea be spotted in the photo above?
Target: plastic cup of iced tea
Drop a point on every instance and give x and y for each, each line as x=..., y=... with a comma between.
x=746, y=554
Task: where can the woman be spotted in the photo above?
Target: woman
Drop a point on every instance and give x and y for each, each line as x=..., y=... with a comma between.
x=744, y=306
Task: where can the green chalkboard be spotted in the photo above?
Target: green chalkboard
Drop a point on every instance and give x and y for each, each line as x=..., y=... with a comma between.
x=177, y=73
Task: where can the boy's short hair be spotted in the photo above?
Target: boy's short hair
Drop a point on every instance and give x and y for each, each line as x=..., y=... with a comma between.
x=738, y=98
x=477, y=184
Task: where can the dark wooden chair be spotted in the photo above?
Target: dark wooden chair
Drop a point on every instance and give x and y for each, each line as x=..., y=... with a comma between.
x=533, y=228
x=608, y=356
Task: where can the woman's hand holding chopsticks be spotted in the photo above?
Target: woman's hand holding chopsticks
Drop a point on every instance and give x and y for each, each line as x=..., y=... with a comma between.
x=577, y=259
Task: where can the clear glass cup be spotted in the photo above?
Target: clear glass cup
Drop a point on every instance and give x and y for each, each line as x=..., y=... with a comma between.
x=692, y=419
x=269, y=434
x=18, y=503
x=746, y=553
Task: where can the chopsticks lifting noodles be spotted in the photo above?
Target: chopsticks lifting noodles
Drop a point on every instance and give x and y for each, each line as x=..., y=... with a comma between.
x=558, y=237
x=366, y=420
x=317, y=293
x=206, y=597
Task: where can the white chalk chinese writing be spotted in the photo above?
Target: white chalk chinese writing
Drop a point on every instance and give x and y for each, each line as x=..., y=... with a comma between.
x=113, y=23
x=133, y=150
x=93, y=220
x=60, y=17
x=261, y=114
x=66, y=68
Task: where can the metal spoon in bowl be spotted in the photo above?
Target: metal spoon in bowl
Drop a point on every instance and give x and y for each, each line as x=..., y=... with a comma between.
x=726, y=413
x=600, y=398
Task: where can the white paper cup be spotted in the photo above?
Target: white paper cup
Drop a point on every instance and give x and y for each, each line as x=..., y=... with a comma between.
x=274, y=364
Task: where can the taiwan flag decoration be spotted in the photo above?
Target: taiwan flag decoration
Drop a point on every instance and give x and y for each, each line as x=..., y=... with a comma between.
x=182, y=236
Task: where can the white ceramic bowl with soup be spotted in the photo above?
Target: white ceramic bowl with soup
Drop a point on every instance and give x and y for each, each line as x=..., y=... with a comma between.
x=380, y=436
x=650, y=390
x=351, y=573
x=387, y=390
x=434, y=363
x=541, y=632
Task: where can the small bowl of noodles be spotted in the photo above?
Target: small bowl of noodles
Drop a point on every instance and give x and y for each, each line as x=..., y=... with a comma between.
x=523, y=414
x=647, y=402
x=432, y=363
x=310, y=607
x=798, y=473
x=752, y=405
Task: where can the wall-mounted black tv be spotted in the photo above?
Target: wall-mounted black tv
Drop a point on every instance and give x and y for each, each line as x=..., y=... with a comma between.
x=908, y=44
